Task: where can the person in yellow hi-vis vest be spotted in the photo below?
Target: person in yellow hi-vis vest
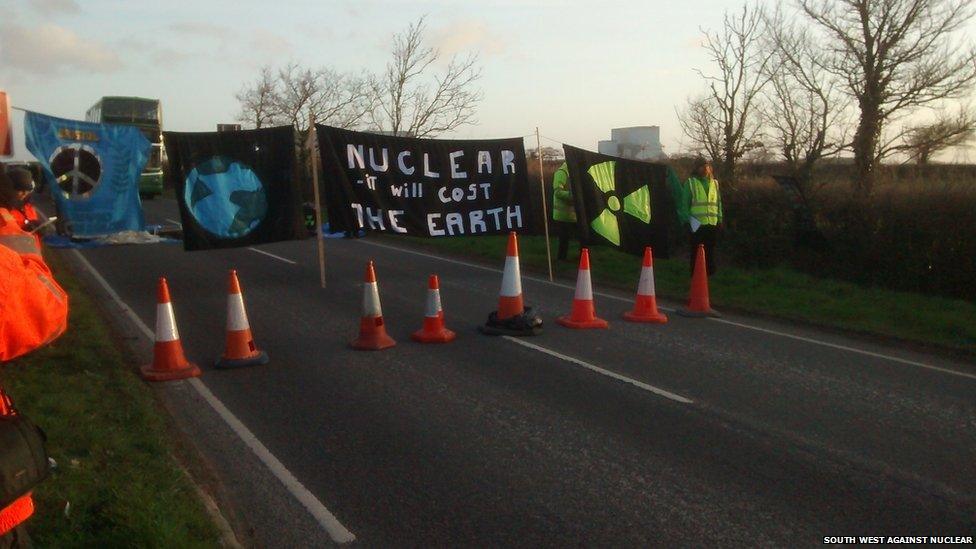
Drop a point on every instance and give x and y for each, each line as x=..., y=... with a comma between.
x=700, y=207
x=563, y=210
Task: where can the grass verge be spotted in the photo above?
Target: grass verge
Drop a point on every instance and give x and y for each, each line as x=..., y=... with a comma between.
x=117, y=483
x=779, y=292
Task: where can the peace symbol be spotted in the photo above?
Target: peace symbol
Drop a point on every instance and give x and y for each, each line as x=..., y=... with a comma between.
x=77, y=169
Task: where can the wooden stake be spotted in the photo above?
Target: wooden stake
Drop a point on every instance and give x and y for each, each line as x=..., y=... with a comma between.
x=545, y=210
x=310, y=143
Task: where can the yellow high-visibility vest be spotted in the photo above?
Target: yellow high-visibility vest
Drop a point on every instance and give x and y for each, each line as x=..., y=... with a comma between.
x=705, y=202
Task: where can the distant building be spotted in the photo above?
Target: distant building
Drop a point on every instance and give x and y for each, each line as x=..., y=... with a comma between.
x=228, y=127
x=636, y=142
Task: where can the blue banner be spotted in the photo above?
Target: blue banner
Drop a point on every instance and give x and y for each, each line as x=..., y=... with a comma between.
x=92, y=170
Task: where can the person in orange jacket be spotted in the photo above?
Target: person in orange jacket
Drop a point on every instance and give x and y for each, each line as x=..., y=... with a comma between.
x=33, y=312
x=15, y=196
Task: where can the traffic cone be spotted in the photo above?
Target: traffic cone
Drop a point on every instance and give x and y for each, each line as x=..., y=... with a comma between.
x=433, y=330
x=240, y=350
x=372, y=331
x=583, y=314
x=512, y=318
x=645, y=307
x=510, y=297
x=698, y=305
x=169, y=362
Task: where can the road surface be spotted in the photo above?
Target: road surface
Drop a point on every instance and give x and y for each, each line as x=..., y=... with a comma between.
x=735, y=431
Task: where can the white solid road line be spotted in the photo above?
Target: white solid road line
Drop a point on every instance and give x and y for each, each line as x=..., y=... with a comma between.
x=278, y=257
x=323, y=516
x=721, y=320
x=597, y=369
x=846, y=348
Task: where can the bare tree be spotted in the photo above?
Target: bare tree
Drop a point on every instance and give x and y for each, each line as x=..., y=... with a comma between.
x=740, y=62
x=333, y=98
x=925, y=140
x=257, y=100
x=290, y=94
x=892, y=56
x=412, y=101
x=702, y=123
x=804, y=112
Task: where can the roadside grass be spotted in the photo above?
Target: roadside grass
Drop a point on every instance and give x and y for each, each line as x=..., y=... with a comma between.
x=779, y=292
x=117, y=483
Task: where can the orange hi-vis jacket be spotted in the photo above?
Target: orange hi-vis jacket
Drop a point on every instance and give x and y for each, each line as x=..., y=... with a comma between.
x=33, y=307
x=24, y=215
x=33, y=312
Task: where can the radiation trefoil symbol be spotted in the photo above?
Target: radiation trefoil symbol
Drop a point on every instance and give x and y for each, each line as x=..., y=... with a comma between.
x=636, y=204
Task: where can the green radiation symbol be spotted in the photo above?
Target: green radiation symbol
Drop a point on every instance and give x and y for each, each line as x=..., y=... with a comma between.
x=636, y=204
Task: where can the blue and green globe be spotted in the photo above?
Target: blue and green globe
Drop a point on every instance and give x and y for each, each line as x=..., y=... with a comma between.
x=226, y=197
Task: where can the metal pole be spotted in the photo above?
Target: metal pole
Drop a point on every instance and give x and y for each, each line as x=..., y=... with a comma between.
x=545, y=210
x=310, y=143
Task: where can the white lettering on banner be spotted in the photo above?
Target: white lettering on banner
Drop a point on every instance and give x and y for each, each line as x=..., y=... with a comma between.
x=476, y=220
x=508, y=162
x=375, y=220
x=386, y=160
x=403, y=165
x=455, y=223
x=359, y=214
x=379, y=161
x=427, y=171
x=394, y=223
x=458, y=194
x=432, y=230
x=495, y=212
x=456, y=172
x=407, y=190
x=370, y=182
x=515, y=214
x=355, y=155
x=484, y=161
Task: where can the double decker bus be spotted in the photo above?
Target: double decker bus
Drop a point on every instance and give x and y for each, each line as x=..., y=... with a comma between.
x=145, y=114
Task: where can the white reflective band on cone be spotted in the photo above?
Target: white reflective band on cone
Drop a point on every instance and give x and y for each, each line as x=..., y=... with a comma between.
x=512, y=278
x=165, y=323
x=371, y=300
x=646, y=284
x=433, y=303
x=584, y=289
x=236, y=315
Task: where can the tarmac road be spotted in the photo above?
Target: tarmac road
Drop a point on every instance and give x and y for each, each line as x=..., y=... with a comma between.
x=735, y=432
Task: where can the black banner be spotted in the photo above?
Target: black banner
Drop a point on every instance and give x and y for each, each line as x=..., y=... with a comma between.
x=424, y=187
x=235, y=188
x=626, y=203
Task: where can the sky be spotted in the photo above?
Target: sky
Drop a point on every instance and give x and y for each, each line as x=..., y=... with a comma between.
x=573, y=68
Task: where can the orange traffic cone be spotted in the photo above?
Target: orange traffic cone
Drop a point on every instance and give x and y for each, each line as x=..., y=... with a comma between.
x=512, y=318
x=169, y=362
x=698, y=305
x=583, y=314
x=240, y=349
x=645, y=307
x=372, y=331
x=433, y=330
x=510, y=297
